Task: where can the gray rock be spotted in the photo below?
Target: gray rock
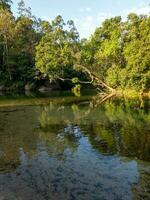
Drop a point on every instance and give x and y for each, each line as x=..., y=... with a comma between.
x=2, y=88
x=45, y=89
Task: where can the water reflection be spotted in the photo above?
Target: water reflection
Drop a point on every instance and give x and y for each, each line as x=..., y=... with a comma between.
x=75, y=151
x=111, y=128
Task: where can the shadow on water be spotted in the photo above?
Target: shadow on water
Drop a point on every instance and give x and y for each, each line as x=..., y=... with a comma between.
x=68, y=148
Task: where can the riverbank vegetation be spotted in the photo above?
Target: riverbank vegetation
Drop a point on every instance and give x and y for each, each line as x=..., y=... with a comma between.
x=35, y=52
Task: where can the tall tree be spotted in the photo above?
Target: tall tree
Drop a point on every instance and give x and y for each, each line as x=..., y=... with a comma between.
x=54, y=54
x=118, y=52
x=136, y=75
x=5, y=4
x=23, y=50
x=23, y=11
x=7, y=24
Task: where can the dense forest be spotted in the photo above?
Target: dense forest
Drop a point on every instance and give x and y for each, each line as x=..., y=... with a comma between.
x=34, y=52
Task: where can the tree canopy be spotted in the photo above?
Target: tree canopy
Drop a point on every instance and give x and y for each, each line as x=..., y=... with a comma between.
x=5, y=4
x=55, y=52
x=116, y=56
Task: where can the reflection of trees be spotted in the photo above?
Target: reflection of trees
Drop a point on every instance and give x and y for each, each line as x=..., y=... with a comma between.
x=56, y=129
x=53, y=132
x=133, y=128
x=101, y=138
x=58, y=138
x=113, y=127
x=116, y=126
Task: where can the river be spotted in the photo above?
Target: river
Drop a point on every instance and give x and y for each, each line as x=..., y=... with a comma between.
x=64, y=147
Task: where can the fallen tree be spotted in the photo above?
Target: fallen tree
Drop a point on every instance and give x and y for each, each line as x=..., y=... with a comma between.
x=95, y=80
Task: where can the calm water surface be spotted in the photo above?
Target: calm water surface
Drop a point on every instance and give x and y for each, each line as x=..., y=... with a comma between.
x=69, y=148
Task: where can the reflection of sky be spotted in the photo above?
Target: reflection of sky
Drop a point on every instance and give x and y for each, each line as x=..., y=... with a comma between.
x=84, y=174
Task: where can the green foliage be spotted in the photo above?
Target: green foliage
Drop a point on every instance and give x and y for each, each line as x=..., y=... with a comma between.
x=5, y=4
x=23, y=11
x=7, y=26
x=55, y=52
x=77, y=90
x=75, y=80
x=117, y=53
x=136, y=50
x=18, y=38
x=120, y=52
x=109, y=52
x=23, y=52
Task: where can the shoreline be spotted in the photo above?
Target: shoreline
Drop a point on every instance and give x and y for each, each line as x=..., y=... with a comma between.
x=131, y=94
x=20, y=99
x=127, y=93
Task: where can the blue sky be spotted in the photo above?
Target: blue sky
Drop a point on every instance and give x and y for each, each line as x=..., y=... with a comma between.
x=87, y=14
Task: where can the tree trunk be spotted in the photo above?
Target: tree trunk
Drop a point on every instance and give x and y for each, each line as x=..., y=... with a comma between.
x=95, y=80
x=6, y=56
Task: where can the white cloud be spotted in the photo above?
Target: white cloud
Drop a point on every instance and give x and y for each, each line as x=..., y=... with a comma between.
x=83, y=10
x=141, y=10
x=89, y=18
x=101, y=16
x=46, y=18
x=88, y=9
x=85, y=25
